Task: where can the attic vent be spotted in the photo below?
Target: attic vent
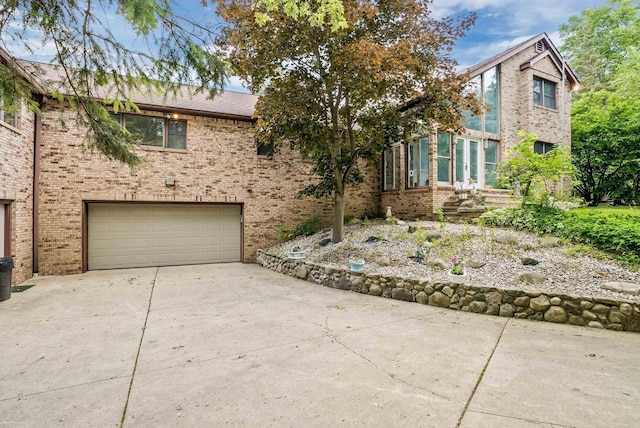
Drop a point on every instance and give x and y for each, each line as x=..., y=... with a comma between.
x=539, y=46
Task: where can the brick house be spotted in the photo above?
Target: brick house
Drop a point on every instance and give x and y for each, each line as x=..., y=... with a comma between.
x=527, y=87
x=207, y=194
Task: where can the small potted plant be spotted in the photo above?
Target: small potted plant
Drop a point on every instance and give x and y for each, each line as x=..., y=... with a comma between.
x=457, y=274
x=296, y=253
x=357, y=265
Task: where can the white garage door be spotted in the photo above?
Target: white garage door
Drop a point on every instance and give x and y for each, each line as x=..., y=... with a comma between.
x=140, y=235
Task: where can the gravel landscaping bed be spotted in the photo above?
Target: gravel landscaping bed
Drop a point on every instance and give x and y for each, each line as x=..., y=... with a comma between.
x=497, y=253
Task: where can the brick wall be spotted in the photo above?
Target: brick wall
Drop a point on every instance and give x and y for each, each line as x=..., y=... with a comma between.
x=16, y=185
x=219, y=164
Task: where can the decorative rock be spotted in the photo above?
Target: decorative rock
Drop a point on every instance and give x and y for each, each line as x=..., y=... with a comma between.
x=521, y=315
x=533, y=293
x=479, y=297
x=373, y=239
x=626, y=309
x=549, y=241
x=555, y=314
x=555, y=301
x=595, y=324
x=589, y=316
x=606, y=300
x=477, y=307
x=572, y=308
x=354, y=222
x=532, y=277
x=476, y=265
x=448, y=291
x=412, y=229
x=529, y=261
x=538, y=316
x=302, y=272
x=428, y=289
x=541, y=304
x=401, y=222
x=494, y=297
x=402, y=294
x=433, y=235
x=507, y=310
x=575, y=320
x=622, y=287
x=616, y=317
x=375, y=290
x=438, y=264
x=600, y=309
x=614, y=326
x=439, y=299
x=633, y=324
x=494, y=309
x=522, y=301
x=324, y=242
x=422, y=298
x=505, y=238
x=586, y=304
x=455, y=299
x=383, y=261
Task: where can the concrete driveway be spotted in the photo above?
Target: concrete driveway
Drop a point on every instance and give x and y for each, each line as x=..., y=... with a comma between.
x=238, y=345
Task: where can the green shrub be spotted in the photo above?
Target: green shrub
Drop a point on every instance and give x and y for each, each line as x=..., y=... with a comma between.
x=304, y=228
x=613, y=231
x=535, y=218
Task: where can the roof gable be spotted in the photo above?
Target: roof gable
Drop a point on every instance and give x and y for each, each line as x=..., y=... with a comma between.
x=551, y=52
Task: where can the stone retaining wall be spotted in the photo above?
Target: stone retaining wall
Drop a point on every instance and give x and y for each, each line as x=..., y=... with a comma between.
x=597, y=312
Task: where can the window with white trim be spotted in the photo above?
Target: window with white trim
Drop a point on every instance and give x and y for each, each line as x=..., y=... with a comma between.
x=444, y=157
x=391, y=168
x=418, y=163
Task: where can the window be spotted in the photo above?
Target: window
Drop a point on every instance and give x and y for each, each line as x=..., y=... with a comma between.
x=418, y=163
x=486, y=89
x=444, y=157
x=8, y=117
x=490, y=162
x=266, y=149
x=543, y=148
x=391, y=168
x=155, y=131
x=544, y=93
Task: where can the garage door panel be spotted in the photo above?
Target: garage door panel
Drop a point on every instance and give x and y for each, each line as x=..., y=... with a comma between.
x=139, y=235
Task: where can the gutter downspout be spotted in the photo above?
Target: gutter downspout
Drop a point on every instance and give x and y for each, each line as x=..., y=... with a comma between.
x=37, y=138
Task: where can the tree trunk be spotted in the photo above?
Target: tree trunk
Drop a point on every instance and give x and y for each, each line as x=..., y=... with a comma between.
x=338, y=218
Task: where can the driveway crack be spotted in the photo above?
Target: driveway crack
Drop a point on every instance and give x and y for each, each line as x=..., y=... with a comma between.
x=484, y=369
x=380, y=369
x=135, y=364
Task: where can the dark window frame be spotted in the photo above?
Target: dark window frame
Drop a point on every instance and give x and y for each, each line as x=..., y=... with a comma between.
x=265, y=150
x=121, y=119
x=540, y=93
x=542, y=147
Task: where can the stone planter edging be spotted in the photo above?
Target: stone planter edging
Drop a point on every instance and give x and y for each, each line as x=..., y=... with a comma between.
x=596, y=312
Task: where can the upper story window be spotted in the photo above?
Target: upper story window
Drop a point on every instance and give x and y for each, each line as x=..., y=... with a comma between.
x=155, y=131
x=543, y=148
x=266, y=149
x=418, y=163
x=486, y=89
x=544, y=93
x=6, y=116
x=391, y=168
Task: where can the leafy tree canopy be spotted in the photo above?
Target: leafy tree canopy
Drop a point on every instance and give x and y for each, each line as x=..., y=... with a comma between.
x=602, y=47
x=91, y=57
x=597, y=41
x=339, y=93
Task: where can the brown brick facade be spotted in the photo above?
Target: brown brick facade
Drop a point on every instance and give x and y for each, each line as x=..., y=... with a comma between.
x=16, y=189
x=220, y=165
x=517, y=112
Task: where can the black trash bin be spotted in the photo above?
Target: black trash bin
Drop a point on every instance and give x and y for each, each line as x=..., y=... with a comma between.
x=6, y=266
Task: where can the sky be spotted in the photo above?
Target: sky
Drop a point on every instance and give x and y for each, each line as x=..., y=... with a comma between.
x=500, y=25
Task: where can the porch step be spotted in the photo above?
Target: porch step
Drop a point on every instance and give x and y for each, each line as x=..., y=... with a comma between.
x=493, y=198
